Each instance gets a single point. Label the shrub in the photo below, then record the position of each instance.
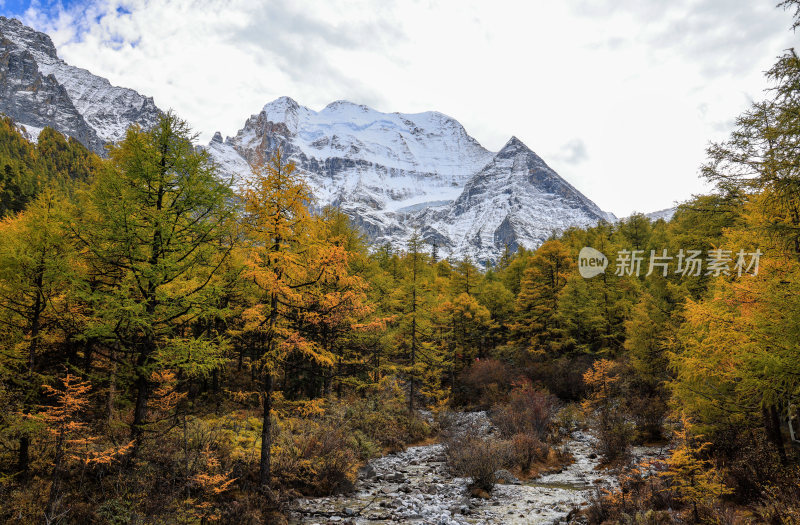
(562, 376)
(485, 382)
(528, 450)
(474, 457)
(648, 412)
(529, 411)
(752, 463)
(384, 418)
(569, 418)
(614, 438)
(115, 512)
(392, 428)
(603, 402)
(642, 498)
(781, 504)
(314, 458)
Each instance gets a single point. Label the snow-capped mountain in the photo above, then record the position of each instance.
(39, 89)
(665, 214)
(388, 161)
(396, 173)
(393, 173)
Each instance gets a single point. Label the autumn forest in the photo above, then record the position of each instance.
(179, 348)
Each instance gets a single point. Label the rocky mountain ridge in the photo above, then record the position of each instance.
(39, 89)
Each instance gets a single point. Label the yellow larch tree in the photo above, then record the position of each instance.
(280, 256)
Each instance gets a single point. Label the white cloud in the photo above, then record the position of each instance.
(620, 97)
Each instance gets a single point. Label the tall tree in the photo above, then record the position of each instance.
(155, 217)
(411, 305)
(282, 262)
(36, 261)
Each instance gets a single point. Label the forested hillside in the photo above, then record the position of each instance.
(175, 350)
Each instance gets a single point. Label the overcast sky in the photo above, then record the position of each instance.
(621, 97)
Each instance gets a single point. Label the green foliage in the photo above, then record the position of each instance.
(26, 169)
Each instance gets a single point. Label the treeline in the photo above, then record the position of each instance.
(25, 168)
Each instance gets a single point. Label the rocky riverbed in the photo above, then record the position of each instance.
(414, 486)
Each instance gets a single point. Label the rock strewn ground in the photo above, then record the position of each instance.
(415, 487)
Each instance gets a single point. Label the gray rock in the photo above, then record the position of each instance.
(504, 476)
(33, 99)
(367, 472)
(396, 477)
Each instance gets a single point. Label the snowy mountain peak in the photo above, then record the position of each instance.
(283, 110)
(513, 147)
(281, 105)
(514, 200)
(394, 173)
(346, 105)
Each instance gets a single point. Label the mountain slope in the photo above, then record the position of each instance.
(33, 70)
(35, 100)
(387, 161)
(665, 214)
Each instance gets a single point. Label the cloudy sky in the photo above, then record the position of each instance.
(621, 97)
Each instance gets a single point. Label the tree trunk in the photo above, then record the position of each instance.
(112, 387)
(36, 316)
(88, 348)
(55, 481)
(149, 340)
(339, 375)
(413, 362)
(413, 333)
(142, 394)
(772, 426)
(327, 376)
(23, 455)
(266, 433)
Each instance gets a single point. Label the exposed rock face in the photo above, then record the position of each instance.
(36, 100)
(395, 174)
(39, 89)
